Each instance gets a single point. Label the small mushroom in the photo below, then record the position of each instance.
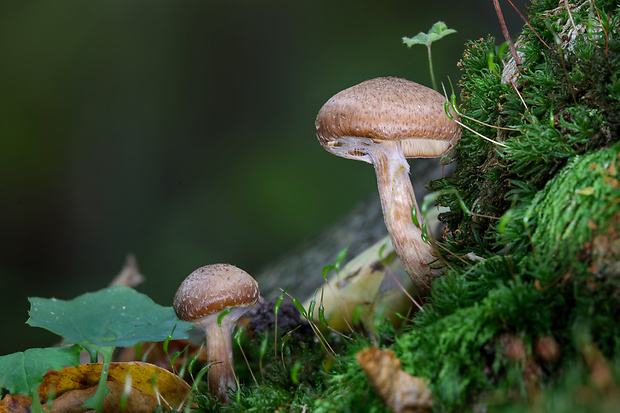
(214, 297)
(382, 121)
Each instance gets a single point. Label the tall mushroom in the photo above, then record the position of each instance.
(214, 297)
(382, 121)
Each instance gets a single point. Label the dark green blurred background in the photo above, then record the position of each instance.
(182, 131)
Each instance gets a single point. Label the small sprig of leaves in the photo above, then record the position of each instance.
(438, 31)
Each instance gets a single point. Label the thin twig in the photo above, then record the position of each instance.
(480, 135)
(519, 94)
(602, 28)
(528, 24)
(500, 16)
(404, 290)
(570, 16)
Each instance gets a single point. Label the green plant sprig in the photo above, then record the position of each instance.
(438, 31)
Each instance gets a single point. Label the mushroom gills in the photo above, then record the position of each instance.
(353, 148)
(360, 148)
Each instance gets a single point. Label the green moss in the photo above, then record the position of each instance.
(577, 201)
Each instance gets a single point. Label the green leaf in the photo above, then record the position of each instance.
(438, 31)
(311, 306)
(341, 256)
(23, 372)
(299, 306)
(113, 317)
(167, 340)
(276, 308)
(193, 361)
(326, 270)
(420, 38)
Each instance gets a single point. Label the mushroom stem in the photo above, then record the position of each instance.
(220, 376)
(398, 201)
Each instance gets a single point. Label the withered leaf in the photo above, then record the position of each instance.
(137, 401)
(400, 391)
(68, 388)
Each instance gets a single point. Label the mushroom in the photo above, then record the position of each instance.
(382, 121)
(214, 297)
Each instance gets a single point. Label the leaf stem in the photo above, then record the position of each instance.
(430, 66)
(96, 401)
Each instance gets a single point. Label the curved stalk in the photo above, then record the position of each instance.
(398, 202)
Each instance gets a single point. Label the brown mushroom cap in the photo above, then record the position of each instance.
(212, 289)
(389, 109)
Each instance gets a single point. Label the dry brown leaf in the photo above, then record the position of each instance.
(400, 391)
(137, 401)
(170, 388)
(17, 403)
(149, 386)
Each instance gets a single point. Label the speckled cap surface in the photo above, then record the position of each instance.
(389, 109)
(214, 288)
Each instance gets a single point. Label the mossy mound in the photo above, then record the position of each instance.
(564, 288)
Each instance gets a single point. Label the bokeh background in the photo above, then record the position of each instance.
(183, 132)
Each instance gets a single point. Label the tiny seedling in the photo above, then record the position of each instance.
(276, 310)
(438, 31)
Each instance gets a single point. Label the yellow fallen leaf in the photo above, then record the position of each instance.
(148, 386)
(17, 403)
(135, 400)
